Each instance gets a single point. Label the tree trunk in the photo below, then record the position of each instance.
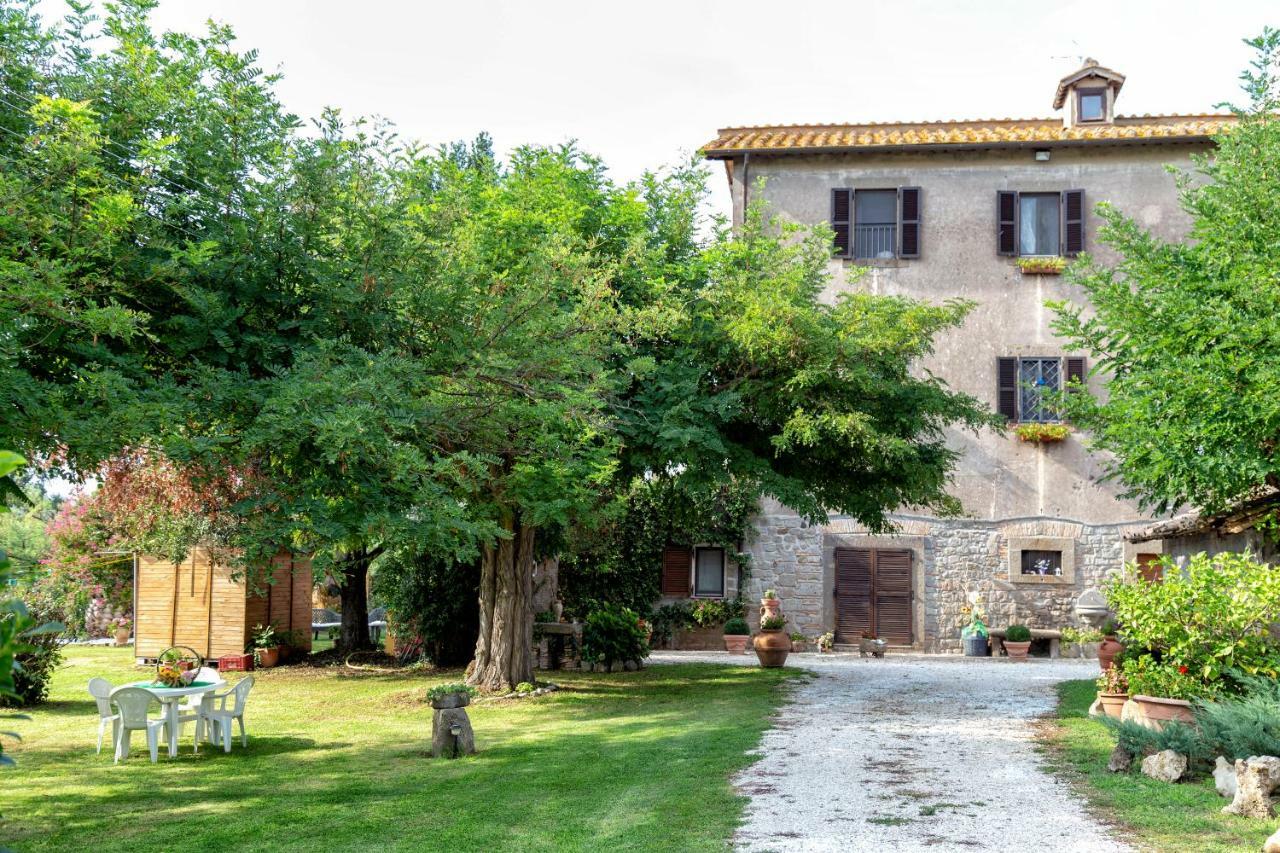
(504, 649)
(353, 589)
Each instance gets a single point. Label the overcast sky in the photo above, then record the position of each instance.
(644, 84)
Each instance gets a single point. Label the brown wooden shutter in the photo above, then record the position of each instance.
(1007, 387)
(1007, 219)
(676, 563)
(852, 593)
(1075, 373)
(893, 596)
(909, 222)
(842, 221)
(1073, 222)
(1150, 569)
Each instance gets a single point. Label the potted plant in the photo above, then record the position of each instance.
(975, 636)
(797, 641)
(770, 604)
(121, 625)
(1160, 690)
(1042, 264)
(1039, 433)
(266, 646)
(1017, 642)
(445, 696)
(1110, 645)
(1113, 691)
(771, 645)
(736, 633)
(826, 642)
(870, 644)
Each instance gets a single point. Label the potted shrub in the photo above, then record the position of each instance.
(1110, 645)
(770, 604)
(266, 647)
(826, 642)
(121, 625)
(445, 696)
(797, 641)
(1113, 691)
(1160, 690)
(975, 637)
(736, 633)
(771, 645)
(1017, 642)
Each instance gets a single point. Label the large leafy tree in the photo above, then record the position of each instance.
(1189, 331)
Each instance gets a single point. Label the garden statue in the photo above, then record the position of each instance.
(451, 732)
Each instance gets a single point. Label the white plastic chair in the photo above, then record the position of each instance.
(219, 718)
(189, 712)
(134, 702)
(100, 690)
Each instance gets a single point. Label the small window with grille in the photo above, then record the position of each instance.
(1043, 563)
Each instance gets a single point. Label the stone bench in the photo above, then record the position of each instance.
(1054, 638)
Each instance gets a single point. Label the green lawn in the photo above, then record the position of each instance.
(1185, 817)
(636, 761)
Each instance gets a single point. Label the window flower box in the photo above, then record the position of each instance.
(1038, 433)
(1042, 265)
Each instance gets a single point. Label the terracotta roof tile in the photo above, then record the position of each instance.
(978, 133)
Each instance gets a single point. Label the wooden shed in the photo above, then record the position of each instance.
(197, 603)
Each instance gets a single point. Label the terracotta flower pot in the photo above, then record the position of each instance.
(772, 647)
(1160, 710)
(797, 646)
(736, 644)
(770, 607)
(1113, 703)
(268, 658)
(1017, 651)
(122, 636)
(1107, 651)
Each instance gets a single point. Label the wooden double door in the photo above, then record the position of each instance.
(874, 594)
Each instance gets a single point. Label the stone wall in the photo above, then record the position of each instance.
(953, 558)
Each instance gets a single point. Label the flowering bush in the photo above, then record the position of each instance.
(1113, 681)
(1148, 677)
(1038, 433)
(1203, 627)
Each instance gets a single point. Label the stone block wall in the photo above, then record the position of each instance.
(956, 557)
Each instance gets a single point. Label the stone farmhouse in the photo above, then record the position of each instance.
(936, 210)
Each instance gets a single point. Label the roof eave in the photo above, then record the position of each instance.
(728, 153)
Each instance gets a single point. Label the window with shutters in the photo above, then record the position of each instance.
(1040, 224)
(708, 573)
(1025, 384)
(876, 224)
(677, 563)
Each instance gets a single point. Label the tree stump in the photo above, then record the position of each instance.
(443, 742)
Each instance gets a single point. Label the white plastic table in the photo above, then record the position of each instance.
(170, 698)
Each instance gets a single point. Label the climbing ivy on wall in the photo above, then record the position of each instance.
(621, 562)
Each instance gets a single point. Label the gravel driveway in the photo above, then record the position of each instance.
(908, 753)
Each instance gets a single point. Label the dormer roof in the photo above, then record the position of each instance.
(1090, 69)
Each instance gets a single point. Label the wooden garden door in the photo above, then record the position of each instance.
(873, 594)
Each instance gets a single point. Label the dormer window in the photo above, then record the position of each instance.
(1088, 94)
(1092, 105)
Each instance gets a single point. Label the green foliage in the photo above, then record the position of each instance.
(715, 611)
(1113, 679)
(1081, 635)
(736, 627)
(440, 691)
(524, 687)
(1139, 740)
(265, 636)
(34, 667)
(1148, 677)
(1038, 433)
(668, 619)
(1190, 331)
(1017, 633)
(770, 594)
(432, 602)
(613, 634)
(773, 623)
(621, 562)
(1211, 617)
(797, 637)
(1242, 726)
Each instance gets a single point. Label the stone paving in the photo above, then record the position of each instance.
(912, 753)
